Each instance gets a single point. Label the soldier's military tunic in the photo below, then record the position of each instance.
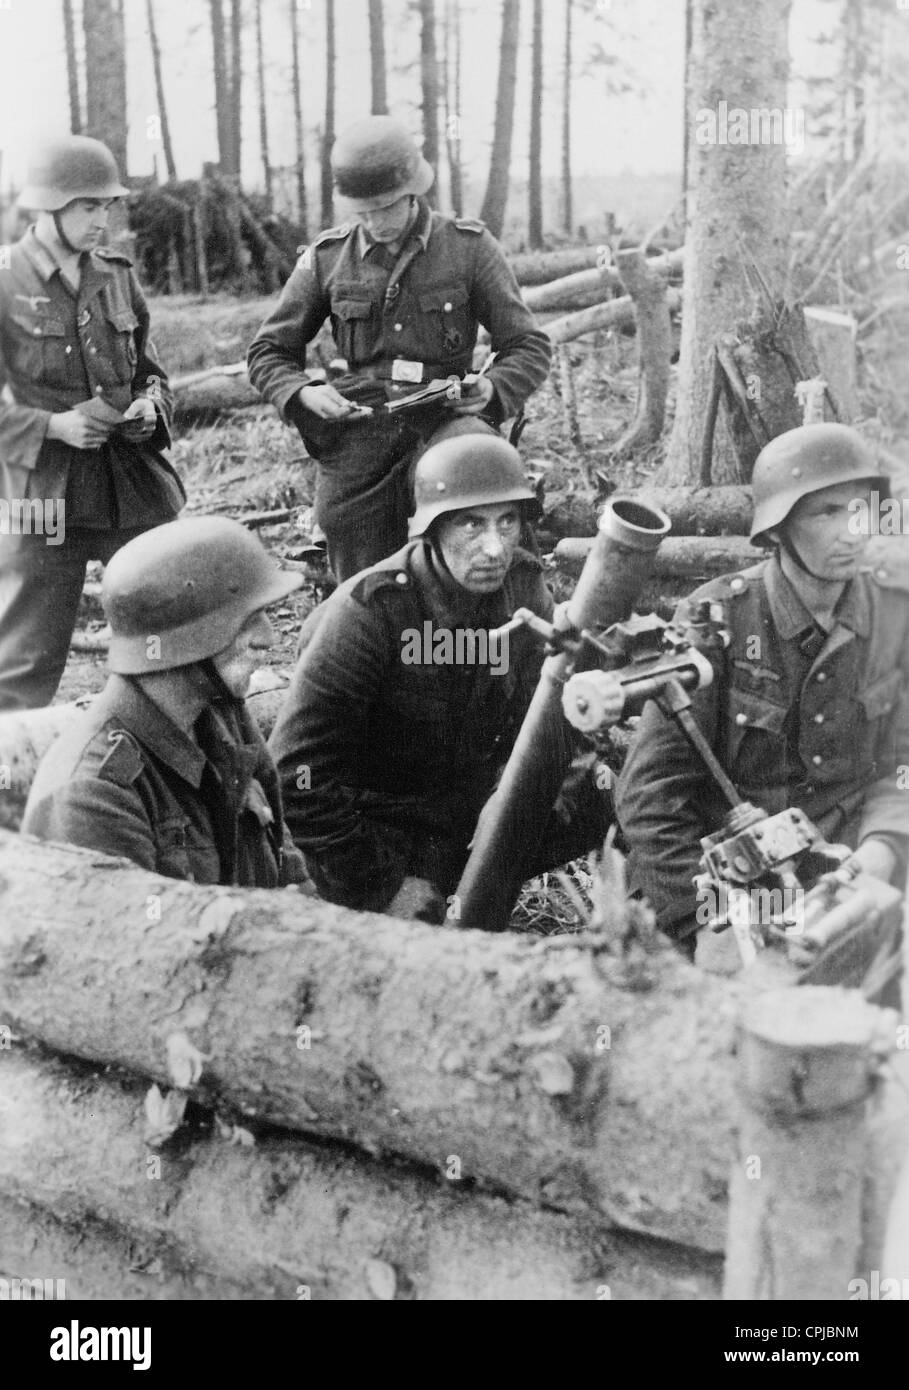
(126, 780)
(421, 308)
(59, 348)
(796, 717)
(385, 764)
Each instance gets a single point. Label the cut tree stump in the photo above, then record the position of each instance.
(283, 1219)
(530, 1060)
(807, 1063)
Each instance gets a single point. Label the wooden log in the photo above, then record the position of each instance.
(285, 1219)
(693, 511)
(539, 267)
(599, 283)
(615, 314)
(526, 1059)
(795, 1220)
(26, 735)
(682, 557)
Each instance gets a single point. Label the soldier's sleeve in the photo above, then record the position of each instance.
(23, 428)
(150, 378)
(95, 813)
(662, 801)
(886, 809)
(523, 351)
(277, 354)
(316, 743)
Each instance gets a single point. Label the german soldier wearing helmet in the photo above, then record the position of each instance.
(167, 768)
(85, 412)
(403, 707)
(809, 706)
(406, 289)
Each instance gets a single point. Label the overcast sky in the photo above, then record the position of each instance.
(639, 131)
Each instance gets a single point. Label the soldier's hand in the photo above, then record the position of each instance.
(476, 393)
(328, 403)
(416, 898)
(143, 419)
(77, 430)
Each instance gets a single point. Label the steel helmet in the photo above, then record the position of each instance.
(801, 461)
(376, 161)
(73, 166)
(181, 592)
(470, 468)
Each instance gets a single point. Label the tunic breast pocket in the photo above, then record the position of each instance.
(353, 325)
(183, 852)
(38, 349)
(875, 739)
(754, 732)
(445, 318)
(121, 351)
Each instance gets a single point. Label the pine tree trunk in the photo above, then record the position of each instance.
(535, 183)
(236, 85)
(429, 83)
(453, 105)
(72, 68)
(328, 134)
(302, 217)
(567, 200)
(222, 88)
(377, 58)
(737, 214)
(105, 76)
(159, 91)
(496, 199)
(263, 114)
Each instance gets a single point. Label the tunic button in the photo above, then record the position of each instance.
(741, 719)
(401, 578)
(818, 719)
(737, 584)
(398, 327)
(817, 759)
(68, 348)
(37, 332)
(99, 390)
(93, 351)
(821, 677)
(447, 307)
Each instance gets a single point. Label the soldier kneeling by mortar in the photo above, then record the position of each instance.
(403, 709)
(167, 768)
(809, 705)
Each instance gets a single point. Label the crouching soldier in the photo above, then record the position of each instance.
(167, 768)
(809, 706)
(84, 413)
(403, 709)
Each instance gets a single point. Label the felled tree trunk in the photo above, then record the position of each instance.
(693, 511)
(680, 557)
(617, 313)
(284, 1219)
(592, 286)
(525, 1060)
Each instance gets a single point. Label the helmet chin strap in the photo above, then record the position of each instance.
(64, 239)
(785, 543)
(219, 688)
